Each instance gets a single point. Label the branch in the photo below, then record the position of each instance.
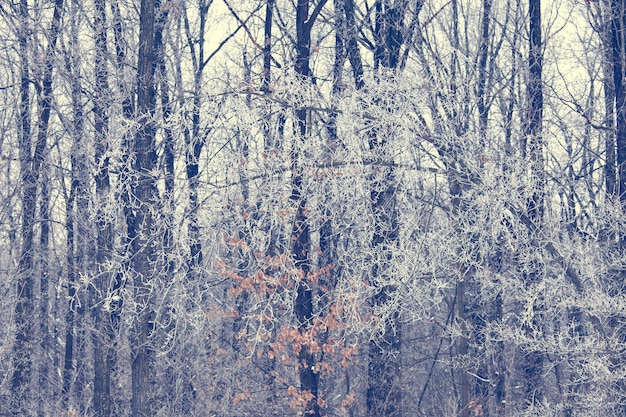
(339, 164)
(570, 272)
(314, 14)
(221, 45)
(243, 24)
(229, 37)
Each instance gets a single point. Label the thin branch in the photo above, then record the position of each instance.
(229, 37)
(243, 24)
(339, 164)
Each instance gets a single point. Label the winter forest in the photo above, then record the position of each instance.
(250, 208)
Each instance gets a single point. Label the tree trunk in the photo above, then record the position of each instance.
(352, 46)
(195, 141)
(24, 308)
(103, 337)
(610, 173)
(618, 8)
(141, 222)
(483, 54)
(618, 44)
(80, 248)
(532, 136)
(532, 361)
(300, 236)
(267, 47)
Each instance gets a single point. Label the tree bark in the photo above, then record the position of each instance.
(80, 247)
(267, 47)
(618, 45)
(141, 222)
(300, 236)
(610, 172)
(483, 54)
(104, 294)
(618, 9)
(195, 140)
(532, 362)
(354, 55)
(533, 142)
(24, 307)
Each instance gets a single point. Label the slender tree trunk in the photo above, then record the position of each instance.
(354, 55)
(619, 67)
(267, 47)
(499, 369)
(271, 142)
(300, 237)
(610, 174)
(618, 48)
(532, 362)
(44, 367)
(69, 357)
(462, 344)
(141, 222)
(483, 54)
(79, 243)
(24, 309)
(103, 337)
(532, 129)
(328, 238)
(195, 141)
(168, 148)
(78, 252)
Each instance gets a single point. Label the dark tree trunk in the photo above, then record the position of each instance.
(195, 141)
(270, 142)
(384, 386)
(610, 172)
(45, 366)
(24, 308)
(168, 148)
(618, 45)
(618, 9)
(267, 47)
(80, 248)
(498, 371)
(483, 54)
(352, 46)
(300, 237)
(533, 146)
(141, 222)
(532, 361)
(103, 337)
(69, 357)
(193, 163)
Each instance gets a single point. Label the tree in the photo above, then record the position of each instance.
(24, 309)
(141, 224)
(532, 148)
(105, 286)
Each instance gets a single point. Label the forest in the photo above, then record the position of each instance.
(246, 208)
